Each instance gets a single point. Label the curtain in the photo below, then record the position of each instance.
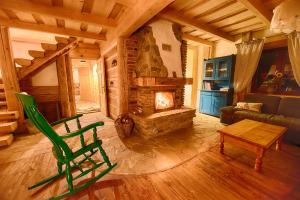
(294, 52)
(248, 55)
(286, 17)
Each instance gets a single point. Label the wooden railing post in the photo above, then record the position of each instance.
(9, 75)
(63, 86)
(70, 81)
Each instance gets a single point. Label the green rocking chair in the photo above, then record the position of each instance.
(64, 155)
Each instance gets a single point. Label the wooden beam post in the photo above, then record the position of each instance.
(122, 76)
(186, 36)
(63, 86)
(70, 81)
(195, 76)
(9, 74)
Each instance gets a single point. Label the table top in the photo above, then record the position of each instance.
(254, 132)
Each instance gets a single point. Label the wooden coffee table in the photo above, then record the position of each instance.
(254, 136)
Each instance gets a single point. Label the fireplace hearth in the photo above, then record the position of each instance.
(161, 102)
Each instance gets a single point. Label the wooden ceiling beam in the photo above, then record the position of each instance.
(57, 12)
(216, 8)
(134, 18)
(196, 39)
(187, 21)
(259, 9)
(141, 13)
(51, 29)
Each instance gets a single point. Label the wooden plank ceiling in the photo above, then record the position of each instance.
(203, 20)
(212, 20)
(81, 18)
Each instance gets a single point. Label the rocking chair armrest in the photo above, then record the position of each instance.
(66, 119)
(83, 130)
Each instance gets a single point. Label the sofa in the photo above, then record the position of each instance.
(283, 111)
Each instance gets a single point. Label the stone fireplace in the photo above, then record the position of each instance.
(161, 102)
(157, 79)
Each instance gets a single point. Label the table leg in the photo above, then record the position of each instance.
(278, 144)
(259, 156)
(221, 143)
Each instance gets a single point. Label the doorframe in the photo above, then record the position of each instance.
(101, 70)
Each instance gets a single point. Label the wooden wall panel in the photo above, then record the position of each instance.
(47, 98)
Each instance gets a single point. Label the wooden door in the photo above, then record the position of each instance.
(102, 81)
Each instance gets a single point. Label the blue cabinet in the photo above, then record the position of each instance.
(211, 102)
(217, 90)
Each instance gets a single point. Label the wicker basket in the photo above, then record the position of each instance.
(124, 125)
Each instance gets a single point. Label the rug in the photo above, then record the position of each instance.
(133, 155)
(137, 156)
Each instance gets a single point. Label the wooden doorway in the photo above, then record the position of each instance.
(87, 85)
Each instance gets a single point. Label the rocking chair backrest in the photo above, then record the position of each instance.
(30, 107)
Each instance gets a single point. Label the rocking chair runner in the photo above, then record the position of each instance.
(62, 152)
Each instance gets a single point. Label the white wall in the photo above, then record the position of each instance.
(163, 33)
(224, 48)
(46, 77)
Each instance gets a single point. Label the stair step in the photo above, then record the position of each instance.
(6, 140)
(8, 127)
(62, 40)
(2, 86)
(3, 103)
(51, 47)
(2, 95)
(36, 54)
(9, 115)
(23, 62)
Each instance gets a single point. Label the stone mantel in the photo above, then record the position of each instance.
(161, 81)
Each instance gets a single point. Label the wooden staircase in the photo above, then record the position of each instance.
(42, 58)
(8, 120)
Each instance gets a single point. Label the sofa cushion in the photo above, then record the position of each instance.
(270, 103)
(290, 122)
(245, 114)
(289, 107)
(256, 107)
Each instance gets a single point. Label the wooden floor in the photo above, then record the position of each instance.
(209, 175)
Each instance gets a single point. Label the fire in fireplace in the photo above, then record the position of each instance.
(164, 100)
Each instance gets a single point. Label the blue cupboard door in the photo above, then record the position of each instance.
(219, 101)
(222, 71)
(209, 70)
(205, 101)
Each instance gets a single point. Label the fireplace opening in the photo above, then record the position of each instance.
(164, 101)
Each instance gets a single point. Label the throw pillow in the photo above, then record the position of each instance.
(256, 107)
